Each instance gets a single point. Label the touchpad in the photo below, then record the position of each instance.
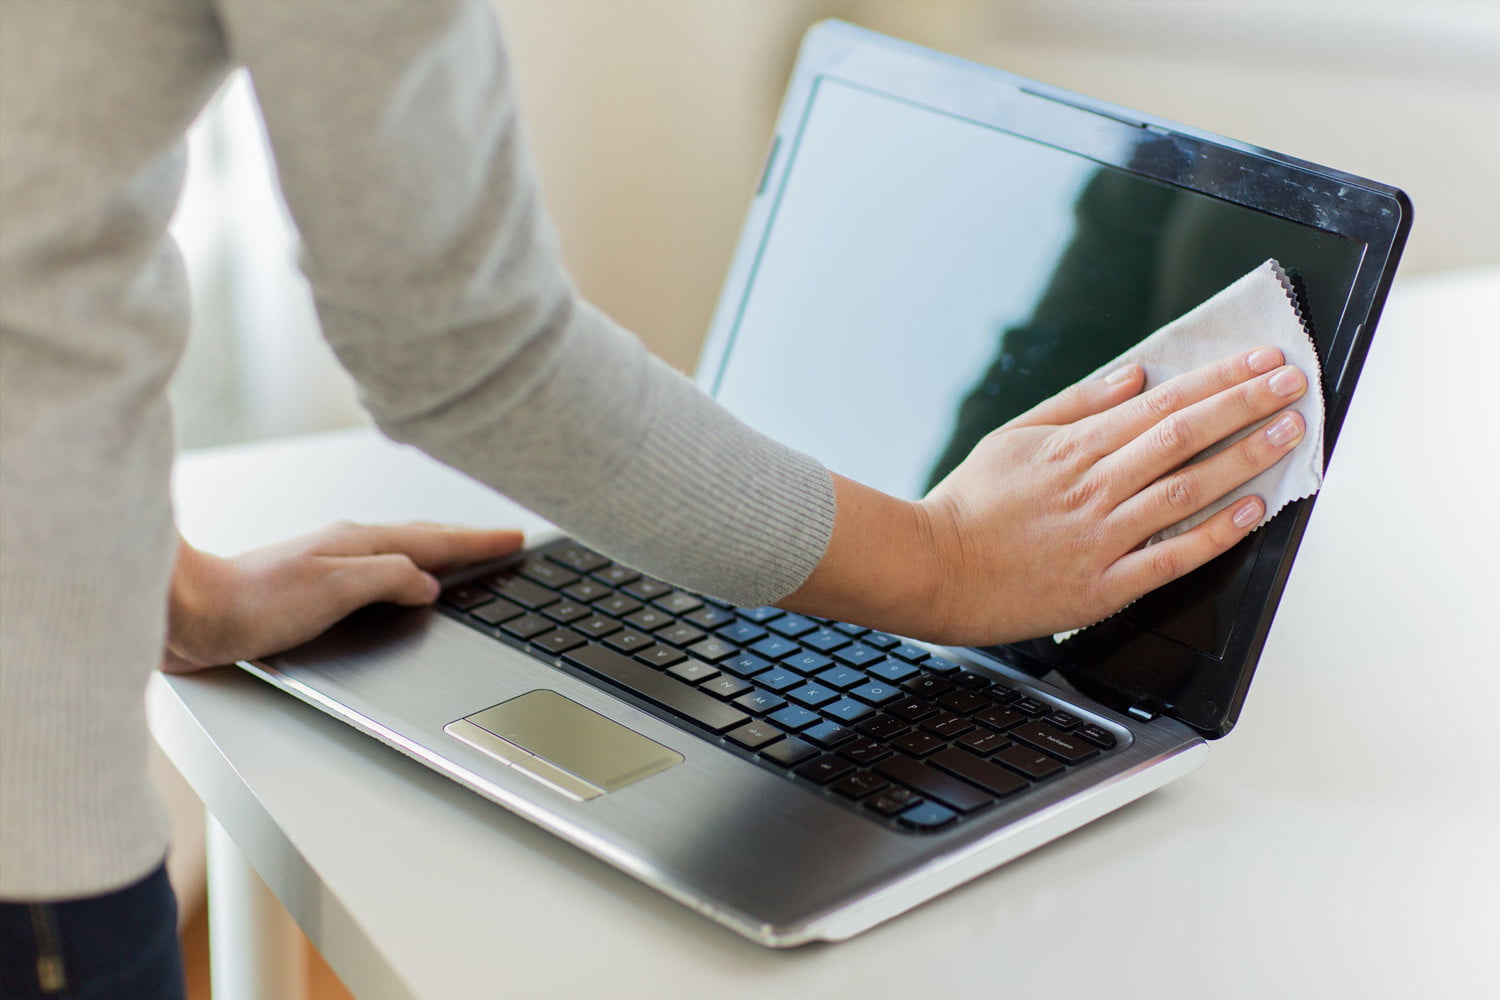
(559, 742)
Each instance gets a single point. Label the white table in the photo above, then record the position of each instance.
(1343, 841)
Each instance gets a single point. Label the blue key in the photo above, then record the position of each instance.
(807, 663)
(893, 670)
(743, 633)
(940, 664)
(760, 615)
(881, 640)
(907, 651)
(744, 665)
(813, 695)
(877, 692)
(794, 718)
(842, 677)
(847, 710)
(775, 647)
(928, 816)
(825, 639)
(858, 655)
(779, 679)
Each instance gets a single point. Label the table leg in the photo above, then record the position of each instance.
(255, 948)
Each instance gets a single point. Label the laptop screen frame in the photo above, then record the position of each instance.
(1376, 215)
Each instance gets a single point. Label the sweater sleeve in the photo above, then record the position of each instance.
(440, 286)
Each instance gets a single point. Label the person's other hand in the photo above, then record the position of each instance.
(271, 599)
(1043, 527)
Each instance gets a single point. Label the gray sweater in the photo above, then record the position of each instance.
(438, 283)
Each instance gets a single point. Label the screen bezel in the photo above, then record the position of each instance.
(1376, 215)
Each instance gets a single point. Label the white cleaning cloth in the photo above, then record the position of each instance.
(1259, 309)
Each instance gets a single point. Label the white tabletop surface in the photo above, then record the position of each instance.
(1343, 841)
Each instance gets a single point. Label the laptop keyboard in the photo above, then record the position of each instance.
(902, 735)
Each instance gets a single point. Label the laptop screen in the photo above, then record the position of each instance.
(925, 277)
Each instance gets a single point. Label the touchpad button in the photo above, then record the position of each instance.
(558, 741)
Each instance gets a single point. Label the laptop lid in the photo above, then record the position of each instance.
(936, 246)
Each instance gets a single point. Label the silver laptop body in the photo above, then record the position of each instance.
(906, 264)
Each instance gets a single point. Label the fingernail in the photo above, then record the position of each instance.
(1283, 431)
(1264, 359)
(1120, 374)
(1247, 513)
(1287, 382)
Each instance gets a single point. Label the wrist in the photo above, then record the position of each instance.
(198, 607)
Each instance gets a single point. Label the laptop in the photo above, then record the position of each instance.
(934, 247)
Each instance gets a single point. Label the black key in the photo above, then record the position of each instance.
(893, 800)
(464, 596)
(1097, 735)
(825, 640)
(969, 681)
(812, 695)
(918, 744)
(587, 591)
(678, 603)
(754, 734)
(597, 626)
(828, 734)
(616, 575)
(858, 655)
(909, 652)
(947, 725)
(523, 592)
(709, 617)
(577, 557)
(1056, 742)
(527, 626)
(619, 605)
(628, 641)
(934, 783)
(661, 656)
(963, 702)
(761, 615)
(822, 770)
(692, 671)
(1032, 763)
(650, 619)
(680, 635)
(883, 727)
(792, 626)
(745, 665)
(726, 687)
(925, 686)
(999, 718)
(742, 633)
(859, 784)
(865, 751)
(567, 611)
(497, 611)
(712, 650)
(982, 741)
(760, 702)
(1031, 706)
(558, 640)
(646, 589)
(991, 777)
(788, 752)
(667, 692)
(1061, 719)
(1001, 694)
(548, 574)
(911, 709)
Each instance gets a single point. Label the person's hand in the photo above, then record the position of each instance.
(1043, 527)
(273, 598)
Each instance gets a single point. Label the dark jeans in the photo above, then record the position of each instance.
(119, 946)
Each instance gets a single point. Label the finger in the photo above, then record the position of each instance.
(1109, 432)
(1177, 437)
(1143, 570)
(1187, 491)
(1084, 399)
(430, 546)
(357, 581)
